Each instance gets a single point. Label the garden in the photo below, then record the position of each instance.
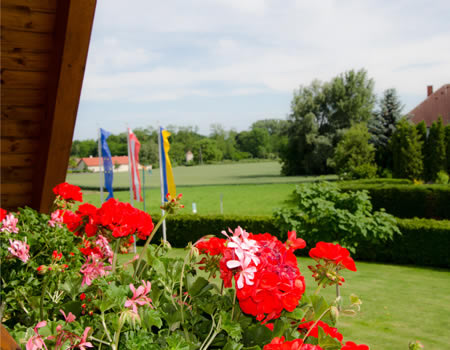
(75, 284)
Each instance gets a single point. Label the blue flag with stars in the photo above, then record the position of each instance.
(107, 163)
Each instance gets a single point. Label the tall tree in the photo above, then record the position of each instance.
(422, 131)
(407, 151)
(382, 126)
(354, 156)
(435, 150)
(331, 107)
(447, 146)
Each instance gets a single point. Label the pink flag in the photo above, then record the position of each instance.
(133, 152)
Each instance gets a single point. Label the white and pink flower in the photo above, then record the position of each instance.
(9, 224)
(92, 269)
(20, 250)
(36, 342)
(56, 218)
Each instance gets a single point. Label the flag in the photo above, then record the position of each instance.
(166, 166)
(107, 163)
(133, 153)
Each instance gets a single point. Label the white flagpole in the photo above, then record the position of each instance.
(131, 184)
(101, 170)
(162, 182)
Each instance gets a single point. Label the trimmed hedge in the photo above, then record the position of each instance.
(423, 242)
(407, 201)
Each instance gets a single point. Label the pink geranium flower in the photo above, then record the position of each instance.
(92, 269)
(139, 296)
(36, 342)
(69, 318)
(103, 244)
(83, 344)
(19, 249)
(57, 218)
(9, 224)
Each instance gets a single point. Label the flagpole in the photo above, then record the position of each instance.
(100, 167)
(143, 185)
(131, 185)
(162, 183)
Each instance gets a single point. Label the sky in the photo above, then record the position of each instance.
(233, 62)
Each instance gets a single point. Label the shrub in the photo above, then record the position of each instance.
(442, 178)
(324, 210)
(406, 200)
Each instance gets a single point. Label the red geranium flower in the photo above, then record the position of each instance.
(334, 253)
(352, 346)
(296, 344)
(293, 242)
(213, 246)
(68, 192)
(331, 331)
(3, 213)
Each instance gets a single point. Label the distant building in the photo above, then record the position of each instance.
(436, 104)
(189, 156)
(120, 164)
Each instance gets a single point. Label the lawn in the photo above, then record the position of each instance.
(400, 304)
(237, 199)
(215, 174)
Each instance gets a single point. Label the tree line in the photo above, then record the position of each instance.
(337, 126)
(264, 140)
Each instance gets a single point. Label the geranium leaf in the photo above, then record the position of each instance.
(233, 328)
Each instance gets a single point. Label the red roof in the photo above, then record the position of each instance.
(435, 105)
(94, 161)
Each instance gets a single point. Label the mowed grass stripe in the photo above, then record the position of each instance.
(215, 174)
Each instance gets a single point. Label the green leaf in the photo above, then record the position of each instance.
(151, 318)
(256, 334)
(159, 267)
(280, 326)
(297, 314)
(176, 342)
(233, 328)
(232, 345)
(199, 287)
(327, 342)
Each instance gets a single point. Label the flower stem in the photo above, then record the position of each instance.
(116, 252)
(41, 304)
(142, 254)
(234, 303)
(315, 323)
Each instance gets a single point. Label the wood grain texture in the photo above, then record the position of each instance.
(13, 201)
(41, 5)
(18, 145)
(13, 39)
(18, 160)
(72, 35)
(15, 188)
(23, 97)
(26, 19)
(16, 174)
(20, 129)
(32, 114)
(25, 60)
(23, 79)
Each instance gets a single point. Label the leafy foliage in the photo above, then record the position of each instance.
(354, 156)
(435, 157)
(324, 212)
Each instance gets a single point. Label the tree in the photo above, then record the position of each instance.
(354, 156)
(382, 126)
(226, 141)
(318, 114)
(447, 147)
(255, 142)
(406, 151)
(277, 130)
(422, 131)
(206, 151)
(435, 151)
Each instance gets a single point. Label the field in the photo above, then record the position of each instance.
(246, 188)
(400, 304)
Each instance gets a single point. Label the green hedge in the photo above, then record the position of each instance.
(407, 201)
(423, 242)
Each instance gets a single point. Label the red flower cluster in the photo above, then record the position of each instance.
(213, 246)
(331, 331)
(296, 344)
(352, 346)
(68, 192)
(276, 285)
(3, 214)
(333, 253)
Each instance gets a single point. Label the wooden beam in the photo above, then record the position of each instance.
(74, 19)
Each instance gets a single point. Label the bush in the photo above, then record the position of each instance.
(406, 200)
(324, 210)
(423, 242)
(442, 178)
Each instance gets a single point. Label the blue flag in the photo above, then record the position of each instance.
(107, 163)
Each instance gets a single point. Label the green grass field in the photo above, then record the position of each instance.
(400, 304)
(215, 174)
(246, 188)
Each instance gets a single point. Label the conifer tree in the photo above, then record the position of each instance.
(407, 151)
(447, 147)
(422, 130)
(435, 151)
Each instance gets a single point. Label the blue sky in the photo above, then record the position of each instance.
(232, 62)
